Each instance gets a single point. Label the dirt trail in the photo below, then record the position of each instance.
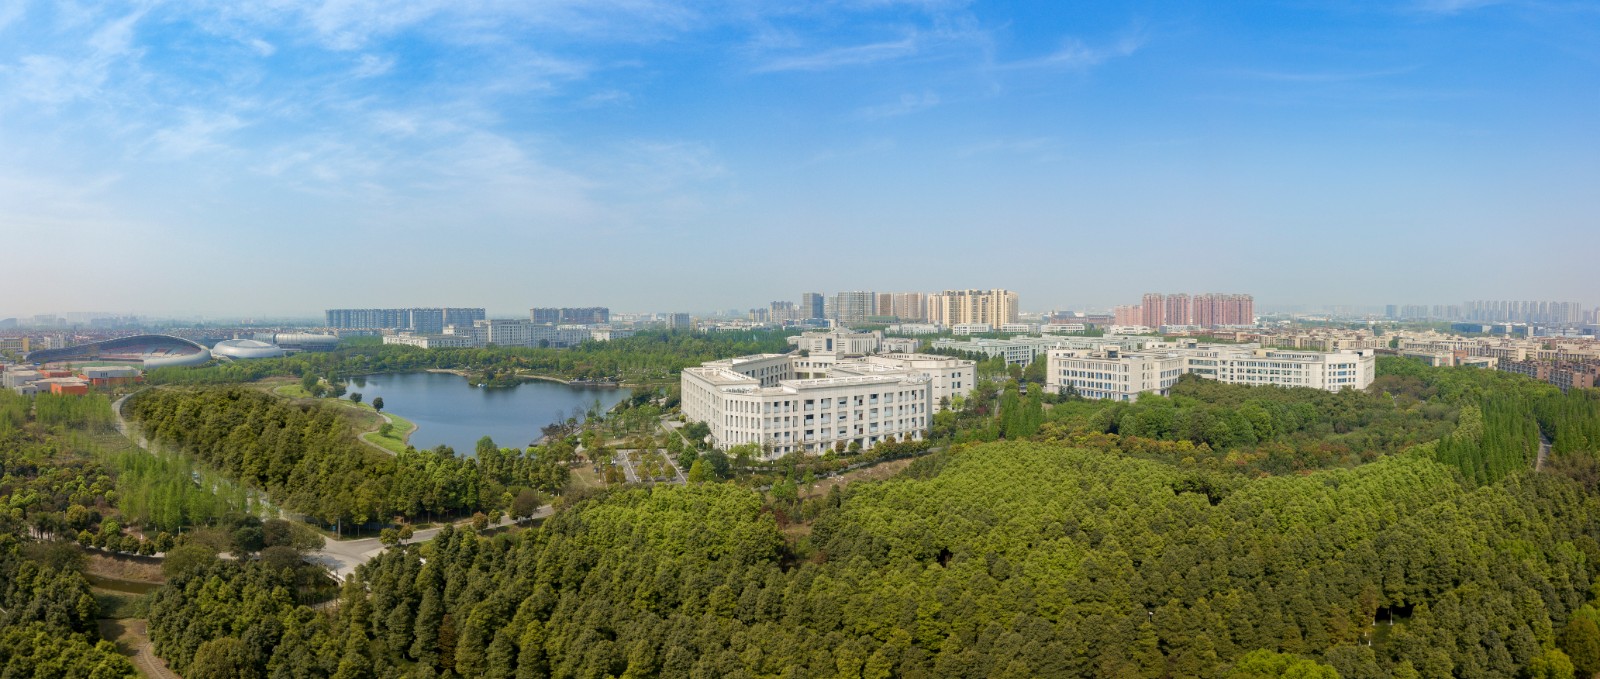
(133, 639)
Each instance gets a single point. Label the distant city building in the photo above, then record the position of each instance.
(1524, 312)
(854, 307)
(680, 321)
(595, 315)
(1207, 310)
(813, 305)
(993, 307)
(416, 320)
(783, 313)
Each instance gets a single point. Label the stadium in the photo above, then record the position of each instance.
(242, 349)
(152, 351)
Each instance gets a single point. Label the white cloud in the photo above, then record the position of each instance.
(1453, 6)
(837, 57)
(1075, 54)
(906, 105)
(372, 66)
(200, 132)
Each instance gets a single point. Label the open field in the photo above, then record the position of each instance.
(877, 472)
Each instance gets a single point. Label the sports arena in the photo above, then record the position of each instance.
(152, 351)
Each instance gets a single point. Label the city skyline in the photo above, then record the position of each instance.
(181, 159)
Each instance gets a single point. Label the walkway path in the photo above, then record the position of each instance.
(1544, 452)
(341, 557)
(133, 640)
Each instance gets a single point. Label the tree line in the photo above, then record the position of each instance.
(1010, 559)
(307, 459)
(650, 356)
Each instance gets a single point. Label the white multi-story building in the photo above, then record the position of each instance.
(1023, 350)
(1113, 373)
(898, 345)
(970, 328)
(1020, 328)
(951, 377)
(915, 329)
(606, 334)
(1061, 328)
(430, 341)
(840, 342)
(760, 399)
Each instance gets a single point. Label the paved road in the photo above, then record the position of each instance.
(1544, 452)
(341, 557)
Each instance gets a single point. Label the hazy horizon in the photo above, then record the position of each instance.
(180, 159)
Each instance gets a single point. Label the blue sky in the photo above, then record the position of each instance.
(281, 157)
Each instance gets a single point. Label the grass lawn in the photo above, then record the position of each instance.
(395, 442)
(291, 391)
(583, 476)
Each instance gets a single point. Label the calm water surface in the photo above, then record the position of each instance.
(451, 411)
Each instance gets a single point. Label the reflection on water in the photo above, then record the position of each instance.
(450, 411)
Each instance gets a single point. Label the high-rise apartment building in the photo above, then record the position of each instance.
(953, 307)
(1214, 309)
(1153, 310)
(812, 305)
(1523, 311)
(420, 320)
(783, 312)
(855, 306)
(905, 306)
(1127, 315)
(1178, 310)
(594, 315)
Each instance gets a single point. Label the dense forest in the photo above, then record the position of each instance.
(305, 457)
(654, 356)
(1223, 531)
(47, 616)
(1002, 559)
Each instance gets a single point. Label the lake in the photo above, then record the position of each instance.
(449, 410)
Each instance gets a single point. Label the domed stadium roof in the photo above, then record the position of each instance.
(153, 351)
(240, 349)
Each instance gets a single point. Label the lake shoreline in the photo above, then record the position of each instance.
(447, 407)
(524, 377)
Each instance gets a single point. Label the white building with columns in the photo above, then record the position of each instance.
(761, 399)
